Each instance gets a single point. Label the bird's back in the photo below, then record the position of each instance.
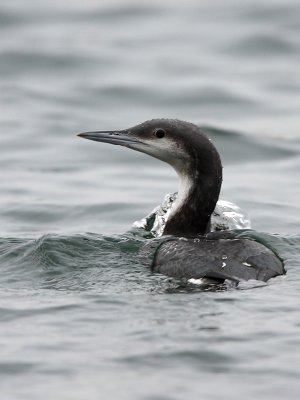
(235, 259)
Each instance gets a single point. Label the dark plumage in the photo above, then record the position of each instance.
(234, 259)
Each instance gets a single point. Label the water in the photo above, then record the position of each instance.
(80, 316)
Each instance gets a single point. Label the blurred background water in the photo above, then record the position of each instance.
(80, 317)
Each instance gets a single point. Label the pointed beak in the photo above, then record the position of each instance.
(121, 138)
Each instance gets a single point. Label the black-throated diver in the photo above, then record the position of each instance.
(190, 250)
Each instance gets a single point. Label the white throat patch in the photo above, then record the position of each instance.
(185, 185)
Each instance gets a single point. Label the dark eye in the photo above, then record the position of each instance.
(159, 133)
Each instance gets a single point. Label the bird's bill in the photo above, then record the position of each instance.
(121, 138)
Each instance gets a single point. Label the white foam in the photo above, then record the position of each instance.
(226, 215)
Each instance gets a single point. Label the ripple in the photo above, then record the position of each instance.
(16, 368)
(246, 148)
(262, 45)
(214, 361)
(14, 62)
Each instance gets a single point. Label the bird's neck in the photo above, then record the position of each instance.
(197, 197)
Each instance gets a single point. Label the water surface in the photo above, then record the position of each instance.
(81, 317)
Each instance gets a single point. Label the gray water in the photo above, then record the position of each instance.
(81, 318)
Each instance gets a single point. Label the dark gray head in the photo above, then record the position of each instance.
(195, 159)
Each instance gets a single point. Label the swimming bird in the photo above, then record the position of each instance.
(188, 249)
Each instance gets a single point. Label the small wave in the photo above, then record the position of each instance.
(92, 261)
(261, 45)
(77, 262)
(246, 148)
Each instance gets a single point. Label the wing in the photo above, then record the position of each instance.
(234, 259)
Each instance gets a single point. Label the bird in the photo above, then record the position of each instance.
(187, 248)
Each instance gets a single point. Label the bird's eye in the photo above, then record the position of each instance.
(159, 133)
